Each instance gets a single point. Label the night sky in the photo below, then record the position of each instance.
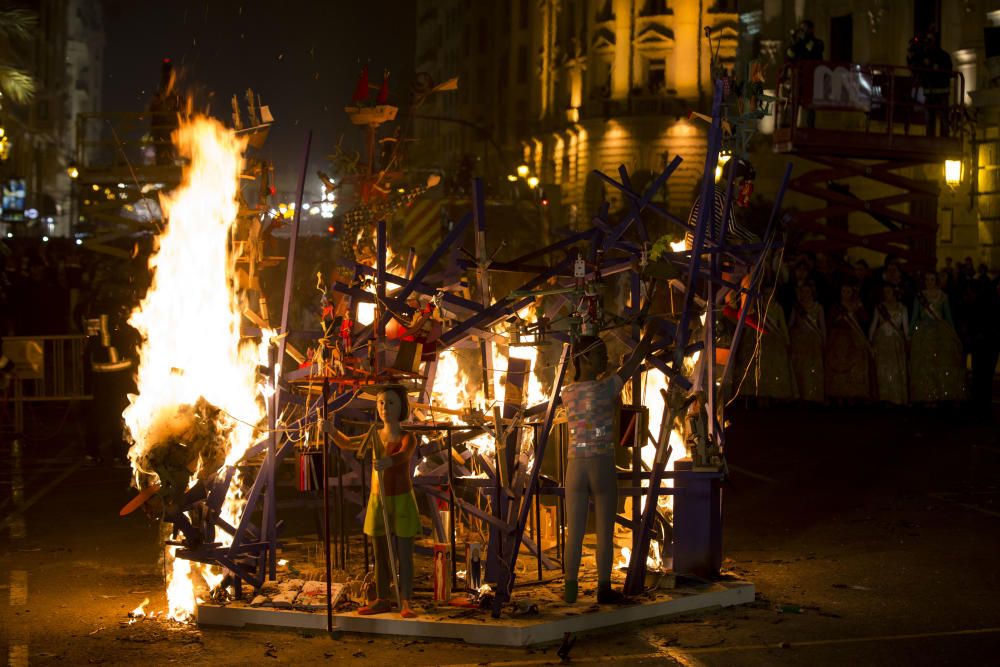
(301, 58)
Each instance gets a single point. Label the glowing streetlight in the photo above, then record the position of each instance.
(523, 171)
(72, 171)
(953, 173)
(533, 182)
(511, 177)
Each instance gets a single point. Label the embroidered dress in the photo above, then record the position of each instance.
(847, 367)
(889, 333)
(937, 371)
(808, 335)
(770, 374)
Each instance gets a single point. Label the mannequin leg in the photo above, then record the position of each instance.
(577, 502)
(404, 551)
(604, 481)
(382, 573)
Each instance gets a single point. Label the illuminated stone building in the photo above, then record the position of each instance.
(878, 32)
(64, 56)
(600, 83)
(569, 86)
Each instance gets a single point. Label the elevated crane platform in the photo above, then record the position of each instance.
(869, 121)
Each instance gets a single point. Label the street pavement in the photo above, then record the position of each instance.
(872, 537)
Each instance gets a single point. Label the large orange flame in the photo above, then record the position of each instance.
(190, 325)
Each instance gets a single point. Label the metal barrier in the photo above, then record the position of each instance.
(46, 369)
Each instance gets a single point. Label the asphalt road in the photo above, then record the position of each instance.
(872, 536)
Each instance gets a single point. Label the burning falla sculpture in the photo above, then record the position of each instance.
(200, 400)
(185, 449)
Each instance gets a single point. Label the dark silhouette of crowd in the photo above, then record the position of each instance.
(839, 332)
(56, 288)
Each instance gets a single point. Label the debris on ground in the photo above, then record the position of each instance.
(567, 645)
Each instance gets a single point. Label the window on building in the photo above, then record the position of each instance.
(605, 12)
(842, 38)
(484, 34)
(927, 17)
(656, 81)
(522, 64)
(602, 82)
(570, 21)
(654, 8)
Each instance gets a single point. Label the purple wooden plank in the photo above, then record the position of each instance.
(705, 216)
(512, 544)
(454, 235)
(292, 244)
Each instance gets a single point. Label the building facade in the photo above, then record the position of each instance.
(65, 60)
(612, 82)
(458, 130)
(878, 32)
(569, 86)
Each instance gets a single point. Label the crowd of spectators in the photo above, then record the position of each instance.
(841, 332)
(52, 288)
(55, 288)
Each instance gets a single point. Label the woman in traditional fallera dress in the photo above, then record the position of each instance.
(808, 338)
(889, 334)
(847, 367)
(776, 378)
(769, 373)
(937, 371)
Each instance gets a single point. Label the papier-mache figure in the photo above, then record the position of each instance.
(392, 489)
(591, 403)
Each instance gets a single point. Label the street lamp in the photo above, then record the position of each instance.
(953, 173)
(533, 182)
(523, 171)
(72, 171)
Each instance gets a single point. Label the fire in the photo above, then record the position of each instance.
(652, 381)
(192, 351)
(457, 388)
(653, 561)
(140, 611)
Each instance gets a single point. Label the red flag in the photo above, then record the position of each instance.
(361, 90)
(383, 92)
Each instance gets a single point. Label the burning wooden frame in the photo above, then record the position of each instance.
(690, 402)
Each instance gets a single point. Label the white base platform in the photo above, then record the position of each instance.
(548, 626)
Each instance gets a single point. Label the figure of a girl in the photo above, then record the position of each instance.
(889, 334)
(391, 485)
(847, 365)
(937, 372)
(808, 339)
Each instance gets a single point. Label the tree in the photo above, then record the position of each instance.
(16, 25)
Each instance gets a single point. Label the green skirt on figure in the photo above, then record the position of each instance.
(404, 517)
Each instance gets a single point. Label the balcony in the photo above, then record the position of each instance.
(869, 111)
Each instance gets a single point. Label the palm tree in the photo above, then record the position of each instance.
(16, 25)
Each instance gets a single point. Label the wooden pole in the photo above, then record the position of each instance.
(326, 510)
